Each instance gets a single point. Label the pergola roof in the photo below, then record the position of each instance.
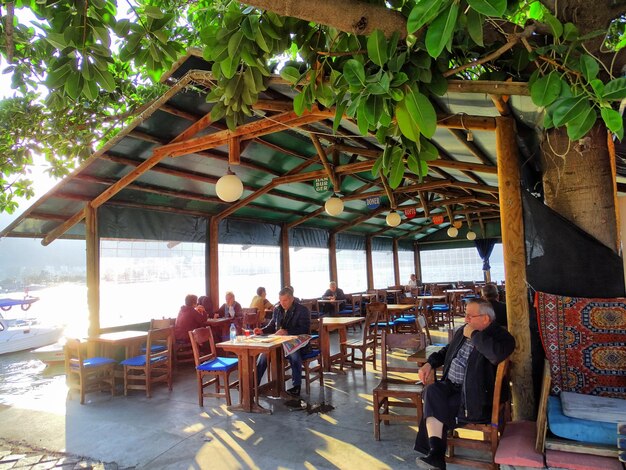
(170, 157)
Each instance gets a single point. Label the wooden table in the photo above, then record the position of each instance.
(336, 303)
(219, 328)
(247, 352)
(129, 339)
(396, 293)
(399, 308)
(328, 324)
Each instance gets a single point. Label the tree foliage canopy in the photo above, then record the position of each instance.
(81, 69)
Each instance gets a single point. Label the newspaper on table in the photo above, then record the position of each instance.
(295, 343)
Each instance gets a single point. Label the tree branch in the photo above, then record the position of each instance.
(351, 16)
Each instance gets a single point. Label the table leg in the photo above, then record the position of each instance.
(325, 347)
(247, 399)
(277, 370)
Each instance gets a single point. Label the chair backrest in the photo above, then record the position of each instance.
(74, 354)
(409, 342)
(422, 327)
(250, 317)
(198, 338)
(370, 330)
(498, 407)
(380, 308)
(408, 301)
(310, 304)
(162, 337)
(356, 302)
(162, 323)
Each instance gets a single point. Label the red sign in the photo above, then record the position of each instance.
(410, 212)
(437, 219)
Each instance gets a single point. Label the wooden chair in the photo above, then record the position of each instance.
(491, 431)
(250, 318)
(210, 366)
(141, 372)
(397, 391)
(367, 341)
(87, 374)
(383, 322)
(157, 323)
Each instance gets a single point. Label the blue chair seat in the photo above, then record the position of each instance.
(440, 308)
(314, 337)
(139, 361)
(311, 354)
(155, 348)
(219, 364)
(404, 320)
(94, 362)
(383, 324)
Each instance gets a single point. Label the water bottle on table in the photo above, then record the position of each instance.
(233, 333)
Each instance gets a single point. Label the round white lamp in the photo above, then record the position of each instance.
(393, 219)
(334, 206)
(453, 232)
(471, 235)
(229, 187)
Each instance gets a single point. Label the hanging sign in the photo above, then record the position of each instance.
(437, 219)
(321, 185)
(410, 213)
(372, 202)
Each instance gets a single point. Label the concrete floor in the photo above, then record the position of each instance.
(170, 430)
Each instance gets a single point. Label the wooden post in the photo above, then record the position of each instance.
(207, 263)
(514, 266)
(417, 261)
(285, 272)
(93, 269)
(396, 261)
(214, 281)
(368, 262)
(332, 257)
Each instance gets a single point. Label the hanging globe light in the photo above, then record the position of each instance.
(334, 206)
(457, 224)
(229, 187)
(393, 219)
(471, 235)
(453, 232)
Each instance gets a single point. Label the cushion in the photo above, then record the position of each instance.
(218, 364)
(591, 407)
(141, 360)
(155, 348)
(575, 461)
(517, 445)
(97, 361)
(577, 429)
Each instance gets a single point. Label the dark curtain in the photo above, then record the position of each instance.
(485, 247)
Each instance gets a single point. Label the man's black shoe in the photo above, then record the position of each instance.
(294, 391)
(431, 462)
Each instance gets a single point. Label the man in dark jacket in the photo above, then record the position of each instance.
(490, 293)
(464, 394)
(289, 318)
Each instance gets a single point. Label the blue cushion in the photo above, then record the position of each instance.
(313, 353)
(314, 337)
(96, 362)
(577, 429)
(404, 320)
(155, 348)
(218, 364)
(141, 360)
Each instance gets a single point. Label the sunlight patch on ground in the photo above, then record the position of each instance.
(345, 455)
(242, 430)
(237, 450)
(328, 418)
(194, 428)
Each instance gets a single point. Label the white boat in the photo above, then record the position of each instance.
(22, 335)
(51, 354)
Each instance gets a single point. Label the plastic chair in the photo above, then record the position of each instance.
(210, 366)
(141, 372)
(87, 374)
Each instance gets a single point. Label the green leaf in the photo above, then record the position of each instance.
(397, 167)
(324, 95)
(56, 40)
(234, 43)
(361, 119)
(615, 89)
(377, 48)
(299, 104)
(475, 22)
(570, 32)
(438, 85)
(354, 73)
(290, 74)
(554, 23)
(422, 110)
(339, 110)
(229, 66)
(104, 79)
(412, 163)
(546, 89)
(376, 167)
(440, 31)
(153, 12)
(424, 12)
(597, 86)
(589, 67)
(428, 152)
(488, 7)
(581, 124)
(406, 122)
(260, 40)
(373, 109)
(612, 119)
(569, 109)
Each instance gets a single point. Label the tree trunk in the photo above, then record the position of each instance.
(579, 182)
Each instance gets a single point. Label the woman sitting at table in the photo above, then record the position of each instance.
(231, 308)
(189, 318)
(333, 293)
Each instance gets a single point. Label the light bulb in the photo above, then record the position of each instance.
(393, 219)
(453, 232)
(229, 187)
(334, 206)
(471, 235)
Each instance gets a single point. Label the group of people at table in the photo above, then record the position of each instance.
(469, 361)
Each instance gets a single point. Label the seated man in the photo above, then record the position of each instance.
(490, 293)
(333, 293)
(469, 370)
(189, 318)
(290, 318)
(260, 302)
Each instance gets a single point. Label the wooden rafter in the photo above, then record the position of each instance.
(321, 153)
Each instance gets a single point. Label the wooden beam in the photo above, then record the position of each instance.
(321, 153)
(197, 126)
(456, 165)
(213, 274)
(332, 256)
(369, 266)
(488, 87)
(312, 215)
(285, 271)
(396, 261)
(64, 227)
(234, 150)
(93, 270)
(274, 105)
(515, 266)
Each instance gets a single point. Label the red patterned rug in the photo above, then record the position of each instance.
(585, 343)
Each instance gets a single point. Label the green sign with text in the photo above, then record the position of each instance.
(321, 184)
